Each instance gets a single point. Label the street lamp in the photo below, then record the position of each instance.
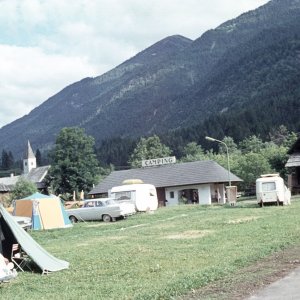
(228, 164)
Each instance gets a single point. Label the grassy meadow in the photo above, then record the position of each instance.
(160, 255)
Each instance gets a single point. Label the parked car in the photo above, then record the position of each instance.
(105, 209)
(24, 222)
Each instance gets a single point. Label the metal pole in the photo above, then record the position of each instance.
(228, 164)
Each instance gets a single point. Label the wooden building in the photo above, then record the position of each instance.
(293, 165)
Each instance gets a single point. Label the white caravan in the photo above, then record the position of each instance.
(271, 188)
(142, 195)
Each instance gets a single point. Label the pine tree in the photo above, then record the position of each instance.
(38, 157)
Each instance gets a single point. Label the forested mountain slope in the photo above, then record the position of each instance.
(238, 79)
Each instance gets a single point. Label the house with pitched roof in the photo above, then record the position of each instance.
(199, 182)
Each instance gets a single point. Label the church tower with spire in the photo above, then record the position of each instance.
(29, 161)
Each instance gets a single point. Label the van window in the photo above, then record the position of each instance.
(268, 186)
(122, 196)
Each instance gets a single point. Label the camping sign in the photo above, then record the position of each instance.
(159, 161)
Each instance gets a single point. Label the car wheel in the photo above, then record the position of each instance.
(73, 219)
(106, 218)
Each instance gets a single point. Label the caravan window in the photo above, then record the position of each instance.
(122, 196)
(268, 186)
(152, 192)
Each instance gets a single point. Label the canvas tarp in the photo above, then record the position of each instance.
(46, 212)
(44, 260)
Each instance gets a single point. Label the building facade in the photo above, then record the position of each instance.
(200, 182)
(293, 166)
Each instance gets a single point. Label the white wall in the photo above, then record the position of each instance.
(220, 189)
(204, 193)
(172, 201)
(28, 165)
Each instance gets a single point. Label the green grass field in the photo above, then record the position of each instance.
(160, 255)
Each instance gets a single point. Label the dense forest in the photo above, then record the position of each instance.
(239, 79)
(249, 158)
(9, 165)
(238, 82)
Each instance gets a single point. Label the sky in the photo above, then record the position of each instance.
(46, 45)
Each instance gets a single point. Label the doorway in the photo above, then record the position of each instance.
(188, 196)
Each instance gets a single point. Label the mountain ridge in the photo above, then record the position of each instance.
(174, 83)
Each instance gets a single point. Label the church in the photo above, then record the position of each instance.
(30, 172)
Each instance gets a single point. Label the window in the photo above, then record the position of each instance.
(268, 186)
(152, 192)
(89, 204)
(122, 196)
(171, 194)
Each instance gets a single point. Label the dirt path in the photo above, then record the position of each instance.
(251, 279)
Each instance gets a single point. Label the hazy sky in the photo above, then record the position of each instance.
(46, 45)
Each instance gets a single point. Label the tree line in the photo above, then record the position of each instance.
(76, 167)
(248, 159)
(8, 164)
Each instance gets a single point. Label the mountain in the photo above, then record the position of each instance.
(109, 105)
(233, 77)
(250, 57)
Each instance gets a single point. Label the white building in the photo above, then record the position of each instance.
(29, 161)
(200, 182)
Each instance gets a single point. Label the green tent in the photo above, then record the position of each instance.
(11, 232)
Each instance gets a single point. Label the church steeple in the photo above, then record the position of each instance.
(29, 161)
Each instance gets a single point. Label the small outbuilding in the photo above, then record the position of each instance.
(199, 182)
